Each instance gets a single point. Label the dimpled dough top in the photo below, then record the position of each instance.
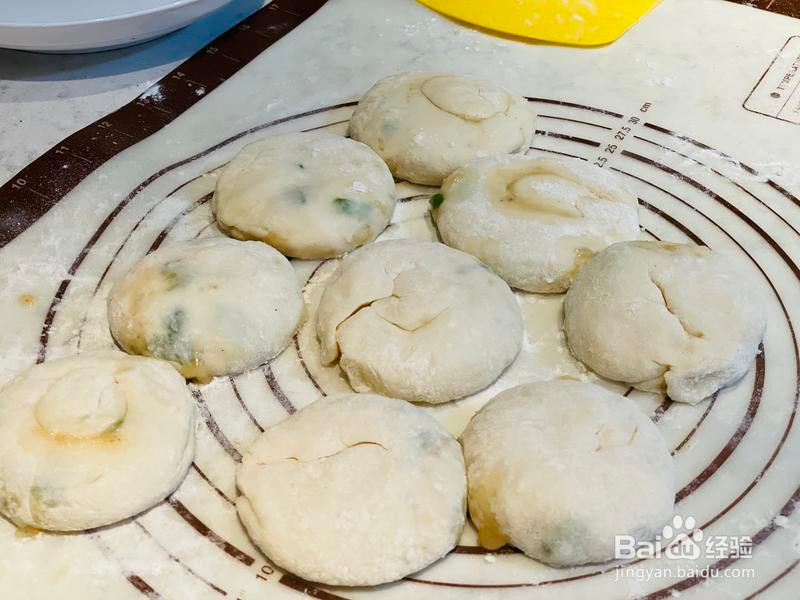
(354, 490)
(559, 468)
(665, 317)
(534, 221)
(426, 125)
(90, 440)
(310, 195)
(211, 307)
(418, 321)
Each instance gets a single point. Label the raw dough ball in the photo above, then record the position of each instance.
(426, 125)
(663, 316)
(310, 195)
(354, 490)
(211, 307)
(418, 321)
(559, 468)
(534, 221)
(90, 440)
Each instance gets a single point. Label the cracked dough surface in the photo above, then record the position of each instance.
(418, 321)
(354, 490)
(665, 317)
(558, 468)
(211, 307)
(310, 195)
(426, 125)
(535, 221)
(94, 439)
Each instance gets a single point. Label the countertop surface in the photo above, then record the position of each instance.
(46, 97)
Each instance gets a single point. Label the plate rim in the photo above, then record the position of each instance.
(172, 5)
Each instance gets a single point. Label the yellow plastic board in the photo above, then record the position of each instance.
(578, 22)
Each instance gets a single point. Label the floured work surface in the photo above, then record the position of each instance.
(666, 106)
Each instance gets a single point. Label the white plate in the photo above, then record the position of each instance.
(90, 25)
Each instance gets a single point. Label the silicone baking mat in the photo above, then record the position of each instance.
(697, 108)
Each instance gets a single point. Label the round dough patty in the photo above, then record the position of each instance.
(559, 468)
(426, 125)
(665, 317)
(354, 490)
(418, 321)
(90, 440)
(211, 307)
(310, 195)
(534, 221)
